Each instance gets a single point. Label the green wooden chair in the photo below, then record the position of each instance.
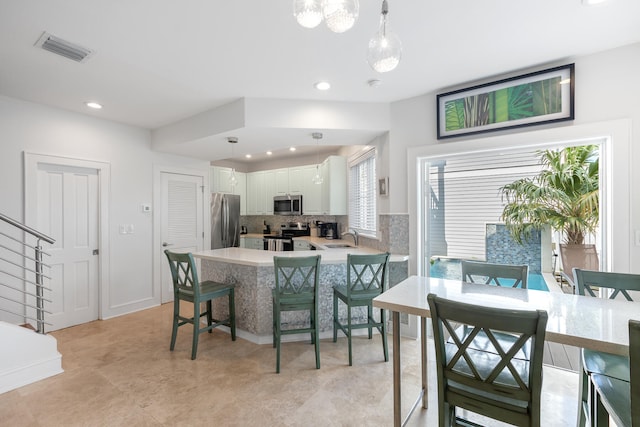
(496, 274)
(297, 280)
(492, 382)
(588, 283)
(187, 287)
(366, 279)
(618, 398)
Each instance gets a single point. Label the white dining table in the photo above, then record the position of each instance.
(595, 323)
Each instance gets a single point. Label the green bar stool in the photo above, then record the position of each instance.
(296, 289)
(588, 283)
(494, 382)
(187, 287)
(366, 279)
(618, 398)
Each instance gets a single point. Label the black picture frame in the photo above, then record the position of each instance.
(541, 97)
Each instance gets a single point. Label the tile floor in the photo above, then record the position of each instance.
(120, 372)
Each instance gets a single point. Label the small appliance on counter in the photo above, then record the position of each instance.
(266, 228)
(328, 230)
(243, 229)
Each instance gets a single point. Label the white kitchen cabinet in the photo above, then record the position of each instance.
(254, 193)
(301, 245)
(281, 181)
(252, 243)
(328, 198)
(311, 192)
(220, 184)
(269, 191)
(296, 180)
(334, 186)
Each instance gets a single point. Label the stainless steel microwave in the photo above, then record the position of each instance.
(287, 205)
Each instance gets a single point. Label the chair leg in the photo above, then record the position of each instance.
(349, 333)
(583, 401)
(232, 314)
(312, 322)
(335, 317)
(277, 339)
(370, 319)
(196, 329)
(600, 416)
(273, 320)
(316, 330)
(209, 315)
(176, 314)
(385, 346)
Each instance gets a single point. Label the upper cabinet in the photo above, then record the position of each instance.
(282, 182)
(328, 198)
(334, 186)
(220, 183)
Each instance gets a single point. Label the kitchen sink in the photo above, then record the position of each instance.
(338, 245)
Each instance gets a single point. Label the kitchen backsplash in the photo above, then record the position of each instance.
(394, 228)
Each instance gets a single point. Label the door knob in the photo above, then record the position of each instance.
(165, 244)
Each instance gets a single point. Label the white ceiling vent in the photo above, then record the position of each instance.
(63, 48)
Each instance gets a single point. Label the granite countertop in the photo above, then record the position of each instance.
(260, 258)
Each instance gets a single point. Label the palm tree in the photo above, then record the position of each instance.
(564, 195)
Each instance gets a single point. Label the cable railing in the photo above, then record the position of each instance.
(22, 274)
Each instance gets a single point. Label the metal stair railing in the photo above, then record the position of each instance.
(27, 267)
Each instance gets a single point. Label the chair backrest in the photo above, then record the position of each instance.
(634, 370)
(498, 274)
(579, 256)
(619, 283)
(367, 274)
(497, 381)
(296, 275)
(183, 273)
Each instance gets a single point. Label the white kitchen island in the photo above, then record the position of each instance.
(251, 271)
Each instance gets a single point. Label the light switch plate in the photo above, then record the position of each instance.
(637, 237)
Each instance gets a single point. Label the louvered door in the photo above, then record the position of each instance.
(182, 220)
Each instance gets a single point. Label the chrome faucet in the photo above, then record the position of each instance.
(353, 233)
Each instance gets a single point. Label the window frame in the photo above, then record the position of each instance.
(367, 226)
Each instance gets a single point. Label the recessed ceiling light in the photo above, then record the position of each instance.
(592, 2)
(93, 105)
(292, 148)
(248, 156)
(269, 153)
(322, 85)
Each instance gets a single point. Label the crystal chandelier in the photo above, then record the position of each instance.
(339, 15)
(232, 178)
(385, 48)
(317, 178)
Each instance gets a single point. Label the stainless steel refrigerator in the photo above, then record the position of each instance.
(225, 220)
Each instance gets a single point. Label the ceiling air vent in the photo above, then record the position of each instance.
(63, 48)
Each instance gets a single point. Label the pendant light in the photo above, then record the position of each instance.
(317, 179)
(385, 48)
(308, 13)
(232, 178)
(339, 15)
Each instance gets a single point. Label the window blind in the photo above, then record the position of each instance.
(362, 193)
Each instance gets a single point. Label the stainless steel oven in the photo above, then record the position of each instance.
(287, 205)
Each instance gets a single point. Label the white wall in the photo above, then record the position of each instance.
(39, 129)
(607, 85)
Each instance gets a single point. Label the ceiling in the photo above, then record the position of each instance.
(157, 62)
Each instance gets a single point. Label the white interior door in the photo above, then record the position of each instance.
(67, 210)
(182, 220)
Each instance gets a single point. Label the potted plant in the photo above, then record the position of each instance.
(564, 195)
